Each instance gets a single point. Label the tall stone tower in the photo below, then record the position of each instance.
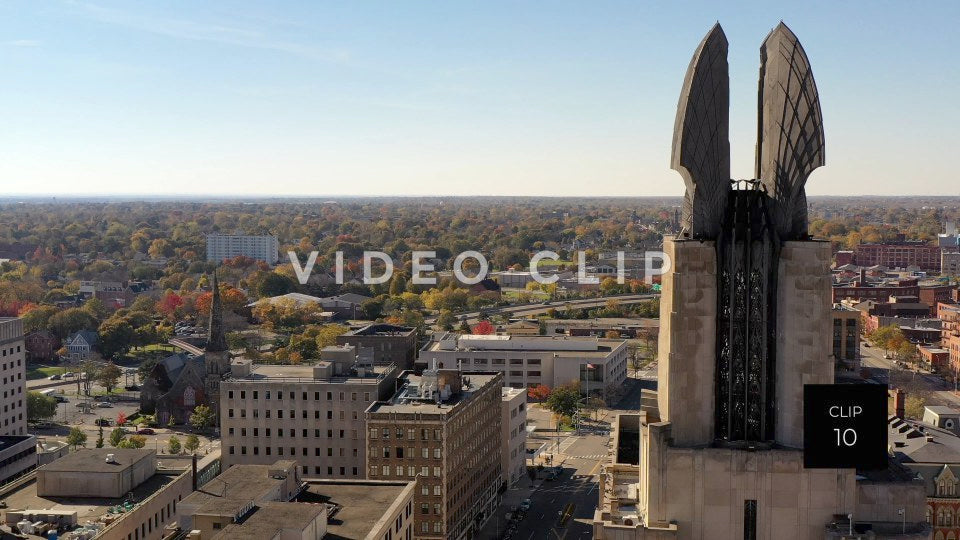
(745, 322)
(216, 353)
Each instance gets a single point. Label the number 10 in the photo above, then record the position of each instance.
(842, 437)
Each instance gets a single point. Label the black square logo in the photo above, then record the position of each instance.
(845, 426)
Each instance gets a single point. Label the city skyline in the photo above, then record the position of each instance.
(376, 100)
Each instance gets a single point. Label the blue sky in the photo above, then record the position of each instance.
(437, 98)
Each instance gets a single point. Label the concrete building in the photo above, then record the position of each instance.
(274, 502)
(902, 254)
(106, 473)
(13, 377)
(311, 414)
(228, 246)
(442, 429)
(235, 493)
(949, 315)
(950, 263)
(391, 344)
(149, 503)
(846, 335)
(744, 326)
(598, 365)
(513, 434)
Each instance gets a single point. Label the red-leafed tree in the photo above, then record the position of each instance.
(121, 418)
(539, 392)
(169, 303)
(484, 328)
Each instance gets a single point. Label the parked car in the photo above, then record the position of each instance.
(102, 422)
(525, 505)
(131, 388)
(54, 377)
(145, 431)
(552, 476)
(68, 375)
(104, 405)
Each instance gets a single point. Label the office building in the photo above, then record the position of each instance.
(311, 414)
(442, 429)
(598, 365)
(513, 434)
(228, 246)
(13, 374)
(391, 344)
(846, 335)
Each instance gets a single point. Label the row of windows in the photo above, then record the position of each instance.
(292, 433)
(155, 522)
(354, 415)
(10, 351)
(399, 453)
(499, 361)
(402, 471)
(410, 432)
(278, 395)
(267, 451)
(11, 366)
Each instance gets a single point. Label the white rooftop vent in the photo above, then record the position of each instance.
(110, 458)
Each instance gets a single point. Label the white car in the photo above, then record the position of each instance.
(104, 405)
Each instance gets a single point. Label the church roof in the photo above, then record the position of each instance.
(217, 341)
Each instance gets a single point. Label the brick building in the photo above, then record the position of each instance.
(901, 254)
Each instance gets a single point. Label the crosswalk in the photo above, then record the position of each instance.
(591, 456)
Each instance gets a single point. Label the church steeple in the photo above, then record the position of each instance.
(217, 341)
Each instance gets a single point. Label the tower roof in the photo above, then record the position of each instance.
(217, 341)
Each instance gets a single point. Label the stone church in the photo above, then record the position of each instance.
(717, 452)
(180, 382)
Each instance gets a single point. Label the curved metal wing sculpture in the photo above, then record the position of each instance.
(701, 147)
(790, 143)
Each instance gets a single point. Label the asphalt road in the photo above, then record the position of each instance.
(535, 309)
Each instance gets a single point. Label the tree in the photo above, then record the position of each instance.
(274, 284)
(100, 436)
(907, 352)
(484, 328)
(539, 392)
(173, 445)
(201, 417)
(121, 418)
(116, 437)
(108, 376)
(191, 443)
(134, 441)
(563, 400)
(40, 407)
(446, 319)
(76, 438)
(114, 336)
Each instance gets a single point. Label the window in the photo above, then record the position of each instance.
(749, 519)
(373, 433)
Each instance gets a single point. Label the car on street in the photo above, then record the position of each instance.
(55, 377)
(104, 405)
(525, 505)
(551, 476)
(145, 431)
(103, 422)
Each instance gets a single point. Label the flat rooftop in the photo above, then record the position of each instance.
(407, 399)
(236, 487)
(358, 504)
(6, 441)
(87, 508)
(95, 460)
(270, 518)
(580, 346)
(381, 329)
(304, 373)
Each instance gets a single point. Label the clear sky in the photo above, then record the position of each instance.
(437, 98)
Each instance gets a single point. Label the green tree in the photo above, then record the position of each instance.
(201, 418)
(76, 438)
(446, 319)
(191, 443)
(100, 436)
(563, 400)
(108, 376)
(114, 336)
(116, 437)
(96, 308)
(274, 284)
(40, 407)
(134, 441)
(173, 445)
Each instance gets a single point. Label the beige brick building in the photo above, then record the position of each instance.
(442, 429)
(311, 414)
(513, 434)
